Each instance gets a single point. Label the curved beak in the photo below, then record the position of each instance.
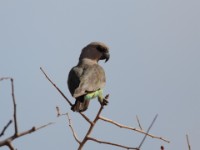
(106, 56)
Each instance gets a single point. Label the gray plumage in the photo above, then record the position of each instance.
(87, 76)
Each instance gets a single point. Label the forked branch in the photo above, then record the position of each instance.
(8, 141)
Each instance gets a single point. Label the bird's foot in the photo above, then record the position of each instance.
(105, 100)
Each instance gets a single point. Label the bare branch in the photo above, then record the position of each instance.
(188, 143)
(131, 128)
(109, 143)
(71, 127)
(148, 131)
(4, 129)
(138, 121)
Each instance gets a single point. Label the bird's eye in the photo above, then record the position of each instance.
(101, 49)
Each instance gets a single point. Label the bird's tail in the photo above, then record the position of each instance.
(80, 105)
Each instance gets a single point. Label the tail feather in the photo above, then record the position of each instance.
(80, 105)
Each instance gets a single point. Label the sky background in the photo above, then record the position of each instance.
(154, 69)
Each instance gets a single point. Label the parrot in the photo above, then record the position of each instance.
(87, 79)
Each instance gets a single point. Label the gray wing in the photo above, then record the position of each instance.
(74, 79)
(86, 79)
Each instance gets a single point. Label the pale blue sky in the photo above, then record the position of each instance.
(154, 68)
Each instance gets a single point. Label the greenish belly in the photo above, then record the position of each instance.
(92, 95)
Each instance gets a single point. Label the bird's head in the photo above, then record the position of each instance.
(95, 51)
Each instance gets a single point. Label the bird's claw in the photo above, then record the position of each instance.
(105, 102)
